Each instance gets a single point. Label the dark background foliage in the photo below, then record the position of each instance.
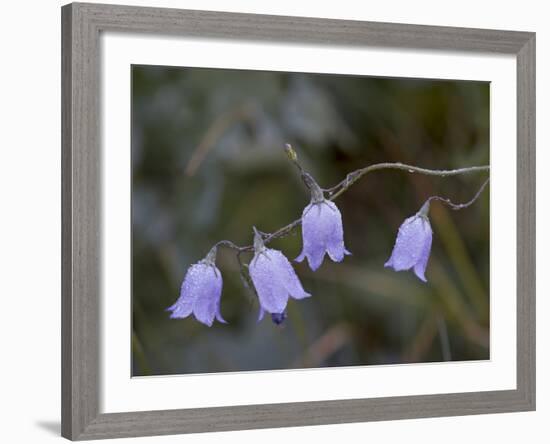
(208, 164)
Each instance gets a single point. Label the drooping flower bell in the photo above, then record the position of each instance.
(322, 230)
(200, 292)
(274, 279)
(413, 244)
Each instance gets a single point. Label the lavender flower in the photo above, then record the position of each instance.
(322, 230)
(200, 292)
(274, 278)
(413, 244)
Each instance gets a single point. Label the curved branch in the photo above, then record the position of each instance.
(455, 206)
(353, 177)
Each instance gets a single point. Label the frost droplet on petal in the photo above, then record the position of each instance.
(322, 232)
(412, 246)
(200, 294)
(274, 280)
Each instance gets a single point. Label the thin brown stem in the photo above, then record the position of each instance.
(455, 206)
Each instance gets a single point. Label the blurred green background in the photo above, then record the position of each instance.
(208, 164)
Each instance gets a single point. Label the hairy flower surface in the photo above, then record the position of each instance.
(413, 244)
(200, 292)
(274, 279)
(322, 230)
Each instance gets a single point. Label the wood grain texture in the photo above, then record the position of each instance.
(230, 25)
(526, 216)
(119, 425)
(81, 222)
(81, 236)
(66, 224)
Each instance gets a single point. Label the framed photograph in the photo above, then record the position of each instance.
(278, 221)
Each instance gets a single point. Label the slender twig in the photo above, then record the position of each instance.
(227, 243)
(353, 177)
(455, 206)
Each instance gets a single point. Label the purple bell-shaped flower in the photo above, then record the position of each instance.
(413, 244)
(274, 279)
(322, 230)
(200, 292)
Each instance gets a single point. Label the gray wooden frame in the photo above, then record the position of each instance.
(81, 234)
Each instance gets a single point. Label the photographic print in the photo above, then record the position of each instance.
(286, 220)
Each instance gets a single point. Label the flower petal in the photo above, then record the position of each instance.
(322, 232)
(209, 288)
(408, 245)
(312, 237)
(287, 275)
(420, 266)
(315, 256)
(337, 251)
(181, 309)
(261, 314)
(271, 291)
(219, 316)
(184, 305)
(200, 294)
(205, 311)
